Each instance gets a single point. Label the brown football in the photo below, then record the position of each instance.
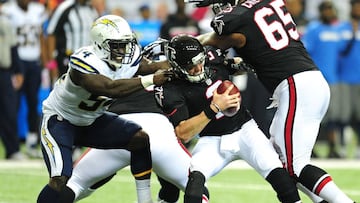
(221, 89)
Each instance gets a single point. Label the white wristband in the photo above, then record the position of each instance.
(147, 80)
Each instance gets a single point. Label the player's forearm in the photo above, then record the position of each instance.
(147, 66)
(187, 129)
(224, 41)
(100, 85)
(205, 39)
(117, 88)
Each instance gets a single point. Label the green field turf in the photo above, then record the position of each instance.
(21, 183)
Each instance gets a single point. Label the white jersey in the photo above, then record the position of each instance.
(27, 26)
(76, 104)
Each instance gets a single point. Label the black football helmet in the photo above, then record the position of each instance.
(183, 53)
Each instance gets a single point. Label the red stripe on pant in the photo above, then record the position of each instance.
(289, 125)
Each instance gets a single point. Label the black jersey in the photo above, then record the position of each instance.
(273, 44)
(181, 99)
(141, 101)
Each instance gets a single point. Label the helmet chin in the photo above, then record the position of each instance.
(196, 78)
(106, 57)
(114, 64)
(115, 61)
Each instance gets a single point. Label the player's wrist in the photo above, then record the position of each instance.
(209, 112)
(147, 80)
(217, 107)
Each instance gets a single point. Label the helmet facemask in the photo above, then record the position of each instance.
(119, 51)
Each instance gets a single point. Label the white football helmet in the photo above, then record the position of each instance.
(113, 40)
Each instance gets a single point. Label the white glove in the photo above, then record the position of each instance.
(203, 3)
(155, 49)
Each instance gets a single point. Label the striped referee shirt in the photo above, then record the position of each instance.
(70, 24)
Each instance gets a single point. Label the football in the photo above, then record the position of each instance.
(221, 89)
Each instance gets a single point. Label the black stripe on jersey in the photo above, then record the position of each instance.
(82, 65)
(137, 61)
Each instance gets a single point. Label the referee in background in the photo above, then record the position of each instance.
(68, 30)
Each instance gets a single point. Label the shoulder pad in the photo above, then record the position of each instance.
(214, 55)
(137, 56)
(84, 60)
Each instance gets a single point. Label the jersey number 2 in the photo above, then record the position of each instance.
(276, 33)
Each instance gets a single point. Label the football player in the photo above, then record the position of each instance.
(170, 159)
(263, 33)
(26, 18)
(75, 111)
(194, 107)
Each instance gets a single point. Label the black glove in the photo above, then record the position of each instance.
(242, 66)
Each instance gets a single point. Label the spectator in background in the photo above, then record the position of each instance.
(162, 11)
(50, 4)
(68, 30)
(203, 16)
(350, 71)
(27, 18)
(322, 40)
(100, 7)
(117, 11)
(11, 79)
(179, 23)
(146, 29)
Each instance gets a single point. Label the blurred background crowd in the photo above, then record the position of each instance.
(38, 36)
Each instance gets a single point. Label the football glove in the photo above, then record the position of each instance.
(242, 66)
(155, 49)
(203, 3)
